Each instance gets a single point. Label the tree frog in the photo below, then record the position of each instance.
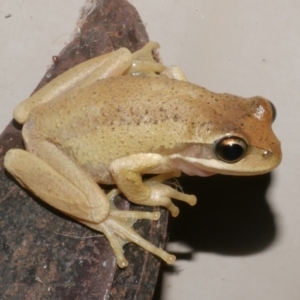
(116, 117)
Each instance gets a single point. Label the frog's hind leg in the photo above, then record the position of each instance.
(61, 183)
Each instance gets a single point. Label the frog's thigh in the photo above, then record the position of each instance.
(61, 184)
(107, 65)
(127, 172)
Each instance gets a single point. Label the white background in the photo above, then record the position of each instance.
(245, 47)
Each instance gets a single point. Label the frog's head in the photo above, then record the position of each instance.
(240, 141)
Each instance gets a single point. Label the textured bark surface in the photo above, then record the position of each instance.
(46, 255)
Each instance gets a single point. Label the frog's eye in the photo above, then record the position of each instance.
(230, 149)
(273, 108)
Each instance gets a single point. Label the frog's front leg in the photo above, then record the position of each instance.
(127, 172)
(57, 180)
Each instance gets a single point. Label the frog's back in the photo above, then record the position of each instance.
(117, 117)
(140, 106)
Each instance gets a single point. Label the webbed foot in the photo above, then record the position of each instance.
(118, 230)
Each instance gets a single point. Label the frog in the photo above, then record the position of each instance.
(123, 115)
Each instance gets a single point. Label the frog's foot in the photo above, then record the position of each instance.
(161, 194)
(127, 174)
(150, 181)
(118, 230)
(174, 72)
(144, 63)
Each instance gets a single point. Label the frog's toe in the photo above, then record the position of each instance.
(125, 215)
(129, 216)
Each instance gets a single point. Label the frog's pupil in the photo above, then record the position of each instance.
(231, 152)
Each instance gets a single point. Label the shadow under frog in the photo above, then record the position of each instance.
(232, 216)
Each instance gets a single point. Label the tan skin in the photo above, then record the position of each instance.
(116, 117)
